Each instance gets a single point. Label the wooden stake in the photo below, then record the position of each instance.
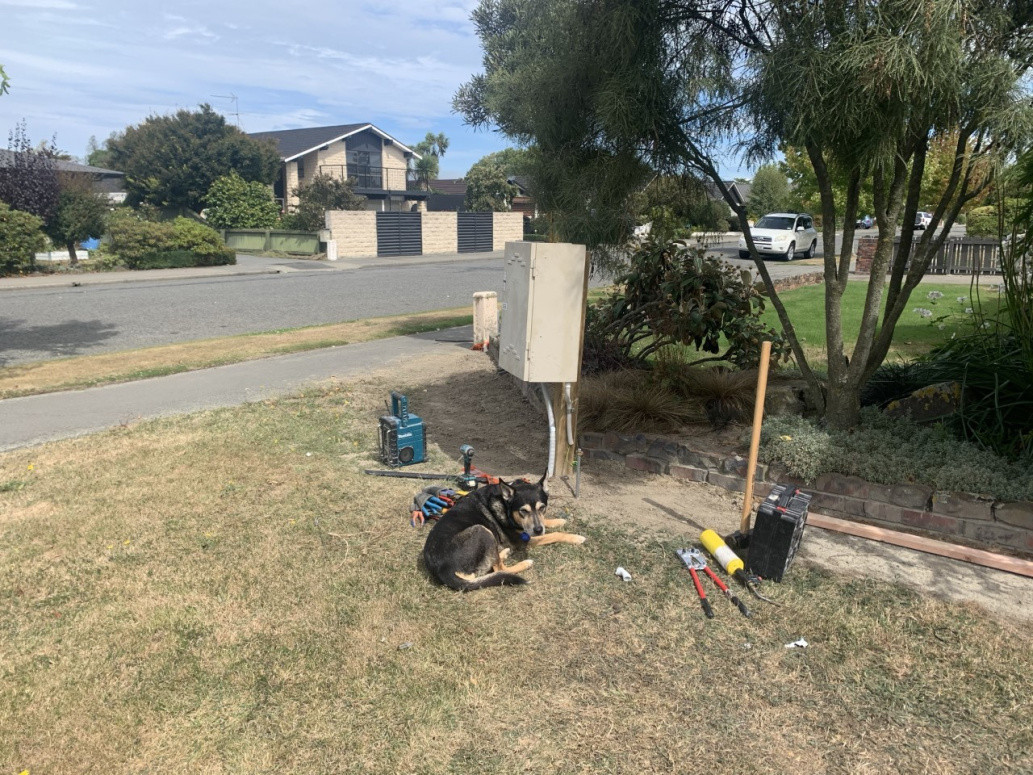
(758, 420)
(922, 544)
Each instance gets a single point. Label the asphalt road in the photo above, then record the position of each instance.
(44, 323)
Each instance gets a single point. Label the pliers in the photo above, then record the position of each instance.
(696, 561)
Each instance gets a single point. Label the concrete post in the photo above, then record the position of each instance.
(485, 318)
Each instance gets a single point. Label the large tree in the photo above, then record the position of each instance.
(769, 192)
(488, 187)
(80, 214)
(611, 91)
(173, 160)
(28, 182)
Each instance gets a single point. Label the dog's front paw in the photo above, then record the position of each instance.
(578, 540)
(550, 523)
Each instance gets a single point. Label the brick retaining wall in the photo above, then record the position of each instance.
(974, 519)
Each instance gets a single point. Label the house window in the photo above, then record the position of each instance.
(301, 169)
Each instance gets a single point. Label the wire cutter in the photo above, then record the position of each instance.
(695, 560)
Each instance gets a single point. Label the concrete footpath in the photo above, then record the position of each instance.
(246, 265)
(37, 419)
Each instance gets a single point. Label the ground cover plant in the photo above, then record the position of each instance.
(93, 370)
(893, 450)
(226, 592)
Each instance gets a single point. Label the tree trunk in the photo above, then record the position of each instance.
(73, 260)
(843, 406)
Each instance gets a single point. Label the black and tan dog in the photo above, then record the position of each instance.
(467, 548)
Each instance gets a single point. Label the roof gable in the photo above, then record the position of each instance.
(292, 143)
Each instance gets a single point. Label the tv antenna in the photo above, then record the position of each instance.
(236, 108)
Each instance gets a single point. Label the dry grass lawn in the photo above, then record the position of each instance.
(227, 592)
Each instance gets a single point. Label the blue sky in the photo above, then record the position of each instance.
(90, 67)
(82, 68)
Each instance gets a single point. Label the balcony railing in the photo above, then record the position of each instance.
(375, 178)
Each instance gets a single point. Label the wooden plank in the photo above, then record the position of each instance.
(922, 544)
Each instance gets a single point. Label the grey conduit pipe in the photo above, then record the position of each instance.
(570, 414)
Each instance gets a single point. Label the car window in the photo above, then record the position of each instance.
(773, 222)
(807, 223)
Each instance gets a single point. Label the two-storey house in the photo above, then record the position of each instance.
(378, 163)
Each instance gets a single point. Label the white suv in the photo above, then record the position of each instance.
(783, 235)
(922, 220)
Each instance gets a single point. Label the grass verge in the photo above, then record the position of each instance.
(93, 370)
(226, 592)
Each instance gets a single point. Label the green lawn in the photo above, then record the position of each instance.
(914, 334)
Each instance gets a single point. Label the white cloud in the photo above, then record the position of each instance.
(187, 31)
(78, 72)
(57, 5)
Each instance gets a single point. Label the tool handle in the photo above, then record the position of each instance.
(740, 605)
(716, 579)
(702, 594)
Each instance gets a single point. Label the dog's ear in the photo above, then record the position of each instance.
(506, 490)
(544, 481)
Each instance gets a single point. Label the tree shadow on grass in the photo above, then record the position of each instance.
(58, 340)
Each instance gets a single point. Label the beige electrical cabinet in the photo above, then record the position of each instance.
(542, 303)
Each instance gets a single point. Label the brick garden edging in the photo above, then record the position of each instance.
(974, 519)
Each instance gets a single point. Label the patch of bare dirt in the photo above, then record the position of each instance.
(468, 401)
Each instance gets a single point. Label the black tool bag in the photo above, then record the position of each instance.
(777, 531)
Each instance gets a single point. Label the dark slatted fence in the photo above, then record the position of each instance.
(475, 232)
(399, 234)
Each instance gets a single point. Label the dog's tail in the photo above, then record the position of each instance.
(491, 580)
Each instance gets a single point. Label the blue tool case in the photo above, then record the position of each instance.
(403, 436)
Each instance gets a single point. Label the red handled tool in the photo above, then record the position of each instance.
(695, 561)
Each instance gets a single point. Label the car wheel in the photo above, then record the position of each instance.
(744, 254)
(809, 253)
(790, 252)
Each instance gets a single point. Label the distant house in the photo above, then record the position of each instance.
(739, 190)
(449, 195)
(377, 162)
(110, 183)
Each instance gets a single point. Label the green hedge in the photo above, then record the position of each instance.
(144, 244)
(985, 221)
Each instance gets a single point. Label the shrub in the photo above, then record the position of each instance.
(21, 237)
(322, 193)
(986, 221)
(887, 450)
(204, 242)
(673, 294)
(140, 243)
(234, 203)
